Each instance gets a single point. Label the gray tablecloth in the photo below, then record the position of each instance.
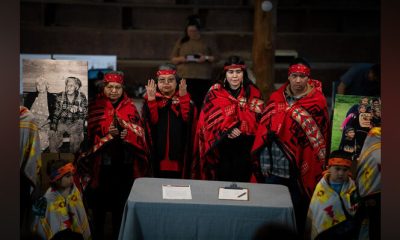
(148, 216)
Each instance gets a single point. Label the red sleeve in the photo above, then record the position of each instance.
(185, 107)
(153, 108)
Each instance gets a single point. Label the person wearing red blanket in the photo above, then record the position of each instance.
(292, 137)
(170, 117)
(118, 153)
(227, 124)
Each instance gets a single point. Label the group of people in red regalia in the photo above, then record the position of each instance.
(226, 140)
(235, 137)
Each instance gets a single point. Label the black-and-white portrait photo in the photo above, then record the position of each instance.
(56, 92)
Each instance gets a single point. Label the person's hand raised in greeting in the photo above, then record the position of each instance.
(113, 130)
(234, 133)
(182, 88)
(151, 89)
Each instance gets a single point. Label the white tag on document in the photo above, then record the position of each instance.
(233, 194)
(176, 192)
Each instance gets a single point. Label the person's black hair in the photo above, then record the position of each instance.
(341, 154)
(300, 60)
(192, 20)
(246, 80)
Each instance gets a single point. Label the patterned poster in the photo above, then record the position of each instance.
(353, 117)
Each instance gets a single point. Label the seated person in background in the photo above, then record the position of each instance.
(170, 117)
(61, 206)
(69, 116)
(361, 79)
(333, 206)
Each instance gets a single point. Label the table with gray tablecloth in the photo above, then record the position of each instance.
(148, 216)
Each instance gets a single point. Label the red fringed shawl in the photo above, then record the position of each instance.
(302, 130)
(220, 114)
(101, 116)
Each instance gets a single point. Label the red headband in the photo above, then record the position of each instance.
(242, 66)
(60, 172)
(113, 77)
(165, 72)
(299, 68)
(339, 161)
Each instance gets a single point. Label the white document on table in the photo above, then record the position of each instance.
(176, 192)
(233, 194)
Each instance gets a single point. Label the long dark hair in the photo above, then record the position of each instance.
(236, 60)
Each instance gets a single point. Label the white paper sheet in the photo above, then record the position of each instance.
(176, 192)
(233, 194)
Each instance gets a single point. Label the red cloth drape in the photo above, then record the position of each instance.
(220, 114)
(302, 130)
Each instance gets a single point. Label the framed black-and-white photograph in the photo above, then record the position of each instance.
(56, 92)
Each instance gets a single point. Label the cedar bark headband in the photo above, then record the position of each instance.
(60, 172)
(165, 72)
(339, 162)
(242, 66)
(299, 68)
(113, 77)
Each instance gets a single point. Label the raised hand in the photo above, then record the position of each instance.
(151, 89)
(182, 88)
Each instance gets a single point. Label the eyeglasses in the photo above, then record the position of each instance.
(110, 87)
(166, 80)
